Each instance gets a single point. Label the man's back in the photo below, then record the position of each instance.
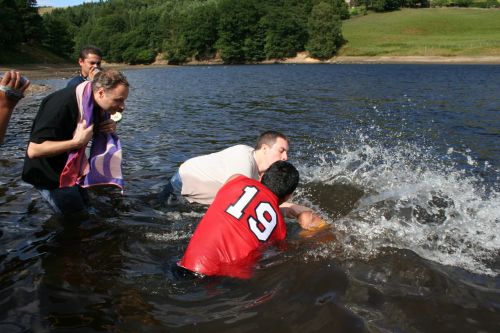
(244, 216)
(203, 176)
(55, 121)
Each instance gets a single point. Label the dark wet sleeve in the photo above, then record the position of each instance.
(56, 119)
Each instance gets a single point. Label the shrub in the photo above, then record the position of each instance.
(440, 3)
(325, 31)
(492, 4)
(386, 5)
(463, 3)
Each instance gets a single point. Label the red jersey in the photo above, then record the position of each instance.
(244, 215)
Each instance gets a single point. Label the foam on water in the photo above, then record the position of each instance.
(168, 236)
(413, 199)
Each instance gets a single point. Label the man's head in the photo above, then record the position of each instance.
(110, 89)
(89, 59)
(271, 146)
(282, 179)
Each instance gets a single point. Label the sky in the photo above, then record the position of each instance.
(62, 3)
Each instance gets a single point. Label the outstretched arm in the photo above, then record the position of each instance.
(307, 219)
(11, 91)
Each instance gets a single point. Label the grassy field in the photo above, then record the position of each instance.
(424, 32)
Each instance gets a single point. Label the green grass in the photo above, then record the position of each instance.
(424, 32)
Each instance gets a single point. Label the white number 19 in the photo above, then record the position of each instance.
(267, 224)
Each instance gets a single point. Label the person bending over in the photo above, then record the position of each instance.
(199, 178)
(56, 162)
(243, 218)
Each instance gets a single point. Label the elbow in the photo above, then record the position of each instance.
(31, 151)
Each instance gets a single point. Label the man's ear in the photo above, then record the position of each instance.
(100, 92)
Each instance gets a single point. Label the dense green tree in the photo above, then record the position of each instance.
(236, 29)
(193, 33)
(285, 34)
(56, 36)
(19, 22)
(254, 44)
(31, 24)
(325, 33)
(200, 30)
(340, 8)
(9, 24)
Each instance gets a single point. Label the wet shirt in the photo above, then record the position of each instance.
(203, 176)
(243, 218)
(56, 121)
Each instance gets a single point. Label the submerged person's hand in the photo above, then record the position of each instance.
(308, 220)
(315, 228)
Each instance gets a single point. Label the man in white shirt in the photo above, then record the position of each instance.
(199, 178)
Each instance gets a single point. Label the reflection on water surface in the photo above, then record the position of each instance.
(402, 160)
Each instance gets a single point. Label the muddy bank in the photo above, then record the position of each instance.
(54, 71)
(65, 71)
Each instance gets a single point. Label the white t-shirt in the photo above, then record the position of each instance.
(204, 175)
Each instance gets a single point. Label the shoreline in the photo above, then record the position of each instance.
(63, 71)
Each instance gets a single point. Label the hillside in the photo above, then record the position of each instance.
(28, 54)
(434, 35)
(424, 32)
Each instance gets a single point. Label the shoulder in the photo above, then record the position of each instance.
(66, 91)
(238, 149)
(244, 149)
(75, 81)
(235, 185)
(233, 177)
(61, 97)
(60, 101)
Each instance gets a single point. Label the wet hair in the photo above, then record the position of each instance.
(109, 79)
(281, 178)
(90, 49)
(269, 138)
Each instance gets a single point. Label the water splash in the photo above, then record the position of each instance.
(413, 199)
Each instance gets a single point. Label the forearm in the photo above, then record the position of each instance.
(291, 210)
(5, 114)
(51, 148)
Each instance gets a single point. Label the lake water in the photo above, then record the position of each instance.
(402, 160)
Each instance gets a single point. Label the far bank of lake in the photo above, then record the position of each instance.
(48, 71)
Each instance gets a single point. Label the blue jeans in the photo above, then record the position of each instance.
(171, 193)
(66, 200)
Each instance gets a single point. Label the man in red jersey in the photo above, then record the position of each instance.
(244, 217)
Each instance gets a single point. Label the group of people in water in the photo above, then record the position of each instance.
(246, 188)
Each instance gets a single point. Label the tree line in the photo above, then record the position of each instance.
(135, 31)
(236, 31)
